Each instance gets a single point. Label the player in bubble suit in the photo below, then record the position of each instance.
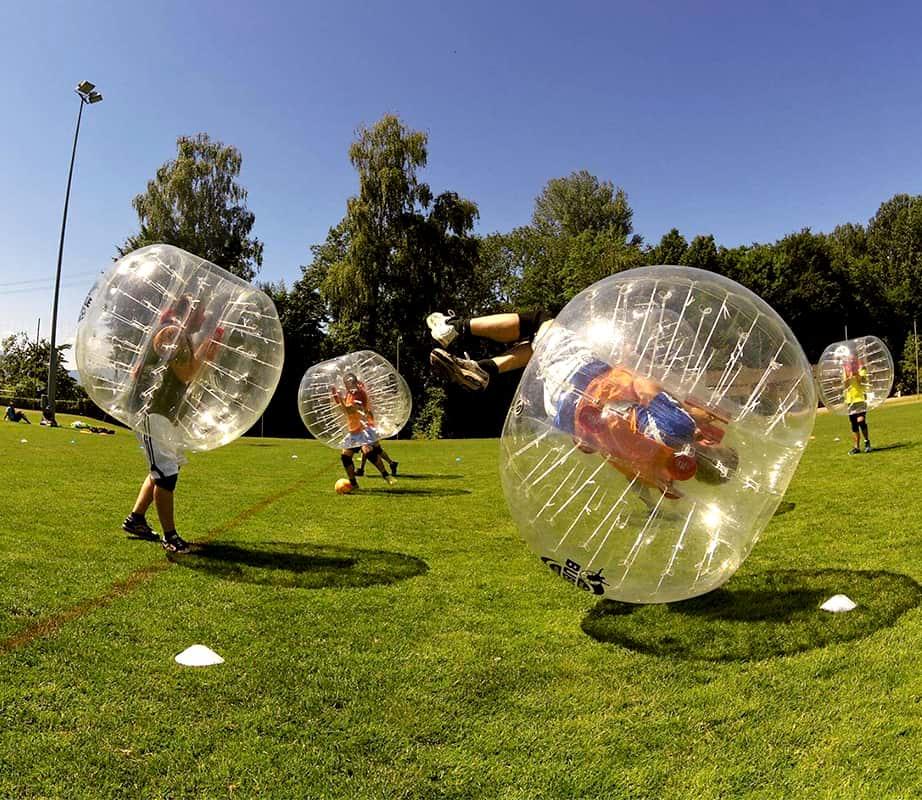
(628, 419)
(362, 433)
(174, 358)
(854, 378)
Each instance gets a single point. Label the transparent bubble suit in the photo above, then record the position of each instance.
(122, 369)
(855, 372)
(389, 397)
(654, 432)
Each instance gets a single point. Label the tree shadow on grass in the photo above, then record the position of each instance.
(758, 616)
(301, 566)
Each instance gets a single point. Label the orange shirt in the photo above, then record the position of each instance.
(358, 411)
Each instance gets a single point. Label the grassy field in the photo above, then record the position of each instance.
(404, 643)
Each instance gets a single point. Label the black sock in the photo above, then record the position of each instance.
(168, 534)
(489, 366)
(136, 517)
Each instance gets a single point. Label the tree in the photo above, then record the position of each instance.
(398, 253)
(670, 250)
(702, 254)
(196, 203)
(908, 375)
(579, 203)
(894, 243)
(24, 368)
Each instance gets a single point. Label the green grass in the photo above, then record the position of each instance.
(404, 643)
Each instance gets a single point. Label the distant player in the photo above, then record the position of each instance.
(174, 359)
(362, 433)
(855, 378)
(15, 415)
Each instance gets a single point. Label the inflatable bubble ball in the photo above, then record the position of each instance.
(855, 375)
(654, 432)
(354, 400)
(169, 341)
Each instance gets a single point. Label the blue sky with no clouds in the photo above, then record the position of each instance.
(745, 120)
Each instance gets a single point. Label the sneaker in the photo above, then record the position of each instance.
(354, 482)
(389, 480)
(441, 329)
(173, 542)
(854, 451)
(139, 528)
(867, 447)
(393, 467)
(463, 371)
(360, 472)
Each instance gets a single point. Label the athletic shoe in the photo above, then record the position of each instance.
(354, 482)
(854, 451)
(139, 528)
(867, 447)
(441, 329)
(389, 480)
(463, 371)
(393, 467)
(360, 472)
(174, 543)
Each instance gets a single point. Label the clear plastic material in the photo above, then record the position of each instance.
(855, 375)
(654, 433)
(165, 334)
(327, 392)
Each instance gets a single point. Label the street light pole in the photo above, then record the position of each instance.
(87, 93)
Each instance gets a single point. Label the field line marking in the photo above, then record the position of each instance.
(48, 626)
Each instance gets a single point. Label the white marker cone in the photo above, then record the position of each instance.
(838, 603)
(198, 656)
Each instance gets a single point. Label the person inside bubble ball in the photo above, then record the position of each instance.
(855, 379)
(627, 418)
(362, 434)
(174, 358)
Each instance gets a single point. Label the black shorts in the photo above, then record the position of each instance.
(853, 419)
(530, 323)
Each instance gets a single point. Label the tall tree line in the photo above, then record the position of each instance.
(402, 250)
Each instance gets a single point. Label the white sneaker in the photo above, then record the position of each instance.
(464, 371)
(441, 329)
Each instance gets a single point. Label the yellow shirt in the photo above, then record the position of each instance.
(856, 387)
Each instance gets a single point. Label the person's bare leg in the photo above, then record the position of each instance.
(513, 359)
(163, 499)
(145, 497)
(498, 327)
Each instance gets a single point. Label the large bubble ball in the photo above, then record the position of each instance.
(654, 432)
(354, 399)
(166, 334)
(855, 375)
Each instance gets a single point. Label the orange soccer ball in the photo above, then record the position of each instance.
(342, 486)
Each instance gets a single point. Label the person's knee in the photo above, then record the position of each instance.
(854, 422)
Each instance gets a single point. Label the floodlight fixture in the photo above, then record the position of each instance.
(85, 87)
(94, 97)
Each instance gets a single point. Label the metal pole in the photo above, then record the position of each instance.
(398, 354)
(53, 360)
(38, 328)
(915, 335)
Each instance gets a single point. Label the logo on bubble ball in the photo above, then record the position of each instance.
(518, 407)
(573, 572)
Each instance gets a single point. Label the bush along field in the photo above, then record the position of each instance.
(402, 642)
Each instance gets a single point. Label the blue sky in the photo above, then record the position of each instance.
(744, 120)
